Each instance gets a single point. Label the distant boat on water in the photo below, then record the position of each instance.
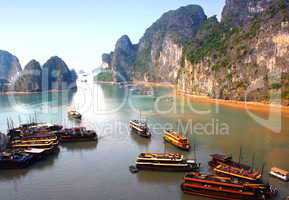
(165, 162)
(140, 127)
(279, 173)
(177, 139)
(73, 114)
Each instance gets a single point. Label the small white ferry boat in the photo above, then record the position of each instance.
(280, 173)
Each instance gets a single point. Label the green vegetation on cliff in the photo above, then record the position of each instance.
(105, 76)
(232, 59)
(209, 41)
(226, 44)
(178, 26)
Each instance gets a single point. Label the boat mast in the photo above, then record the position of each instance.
(253, 162)
(165, 149)
(262, 172)
(35, 115)
(139, 115)
(195, 153)
(12, 123)
(19, 119)
(8, 126)
(178, 129)
(240, 155)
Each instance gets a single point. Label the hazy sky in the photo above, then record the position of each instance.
(79, 31)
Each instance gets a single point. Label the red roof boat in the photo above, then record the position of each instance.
(224, 188)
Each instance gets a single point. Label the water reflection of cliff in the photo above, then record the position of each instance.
(113, 91)
(52, 98)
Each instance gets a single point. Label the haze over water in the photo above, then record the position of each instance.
(100, 171)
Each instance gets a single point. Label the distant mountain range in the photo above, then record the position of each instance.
(245, 56)
(53, 75)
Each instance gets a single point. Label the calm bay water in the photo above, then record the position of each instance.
(93, 171)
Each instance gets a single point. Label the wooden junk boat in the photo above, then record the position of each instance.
(224, 165)
(47, 126)
(33, 128)
(165, 162)
(78, 134)
(15, 160)
(280, 173)
(73, 114)
(22, 158)
(224, 188)
(40, 140)
(240, 173)
(218, 159)
(140, 127)
(177, 140)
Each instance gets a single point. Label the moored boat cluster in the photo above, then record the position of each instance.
(229, 180)
(33, 142)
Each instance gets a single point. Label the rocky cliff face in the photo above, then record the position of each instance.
(107, 60)
(9, 66)
(56, 75)
(240, 12)
(243, 57)
(158, 55)
(160, 49)
(73, 75)
(30, 79)
(245, 63)
(121, 60)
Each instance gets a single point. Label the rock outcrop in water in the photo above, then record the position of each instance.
(73, 75)
(9, 69)
(56, 75)
(107, 60)
(30, 79)
(123, 60)
(243, 57)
